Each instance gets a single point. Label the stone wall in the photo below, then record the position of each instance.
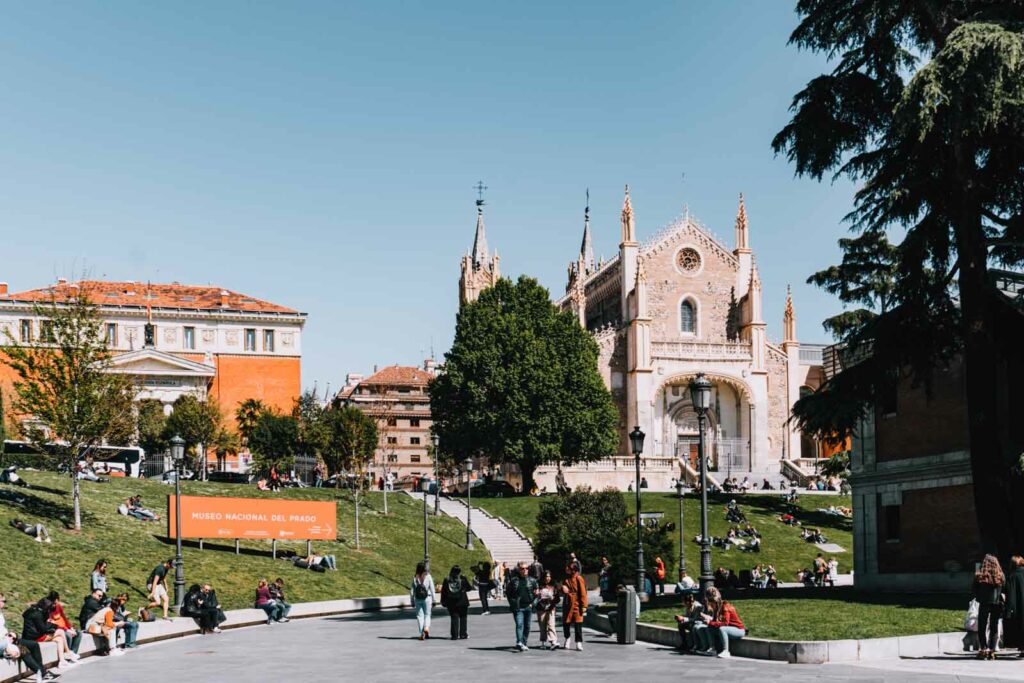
(778, 401)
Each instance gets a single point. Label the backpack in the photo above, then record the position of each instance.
(420, 591)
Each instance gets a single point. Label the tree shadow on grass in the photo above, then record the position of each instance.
(51, 491)
(130, 587)
(32, 506)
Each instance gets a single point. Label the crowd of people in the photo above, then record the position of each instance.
(997, 606)
(529, 590)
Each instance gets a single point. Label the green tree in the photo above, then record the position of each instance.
(151, 427)
(521, 384)
(3, 428)
(925, 108)
(200, 424)
(314, 433)
(247, 415)
(350, 448)
(274, 440)
(64, 382)
(593, 524)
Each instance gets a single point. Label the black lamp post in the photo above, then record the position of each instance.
(468, 464)
(178, 456)
(636, 441)
(700, 395)
(680, 487)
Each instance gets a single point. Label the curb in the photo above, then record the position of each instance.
(805, 651)
(156, 631)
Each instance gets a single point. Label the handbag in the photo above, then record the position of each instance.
(971, 618)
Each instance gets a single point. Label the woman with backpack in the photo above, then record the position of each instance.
(988, 591)
(422, 594)
(483, 583)
(455, 598)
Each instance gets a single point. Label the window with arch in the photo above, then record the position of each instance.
(687, 317)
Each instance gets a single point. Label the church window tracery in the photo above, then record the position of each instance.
(687, 317)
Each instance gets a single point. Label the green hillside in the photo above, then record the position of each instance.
(391, 545)
(781, 544)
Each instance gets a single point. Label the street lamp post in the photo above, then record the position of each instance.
(636, 440)
(469, 503)
(178, 456)
(700, 395)
(682, 556)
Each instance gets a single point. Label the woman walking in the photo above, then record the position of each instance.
(483, 586)
(547, 602)
(422, 593)
(988, 590)
(455, 597)
(574, 606)
(1013, 619)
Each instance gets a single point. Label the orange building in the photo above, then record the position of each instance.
(182, 339)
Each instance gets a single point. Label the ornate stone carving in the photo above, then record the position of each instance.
(170, 335)
(688, 261)
(209, 336)
(231, 337)
(287, 339)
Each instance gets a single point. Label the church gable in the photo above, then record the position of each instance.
(690, 281)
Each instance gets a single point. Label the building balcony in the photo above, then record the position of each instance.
(687, 350)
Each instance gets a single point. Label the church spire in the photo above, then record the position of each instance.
(480, 255)
(628, 224)
(742, 232)
(789, 319)
(587, 248)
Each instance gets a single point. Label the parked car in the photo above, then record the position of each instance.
(489, 489)
(170, 475)
(229, 477)
(339, 481)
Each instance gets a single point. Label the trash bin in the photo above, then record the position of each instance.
(625, 618)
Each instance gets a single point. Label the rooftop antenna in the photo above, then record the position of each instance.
(480, 187)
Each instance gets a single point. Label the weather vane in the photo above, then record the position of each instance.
(480, 187)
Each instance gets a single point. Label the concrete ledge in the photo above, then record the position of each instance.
(155, 631)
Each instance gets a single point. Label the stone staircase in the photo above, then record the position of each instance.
(504, 542)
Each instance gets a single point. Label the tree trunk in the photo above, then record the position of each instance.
(990, 470)
(357, 519)
(526, 469)
(76, 498)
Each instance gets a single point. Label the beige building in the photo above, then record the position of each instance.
(396, 397)
(663, 310)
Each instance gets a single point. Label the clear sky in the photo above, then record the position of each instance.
(323, 155)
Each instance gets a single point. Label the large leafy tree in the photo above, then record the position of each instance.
(274, 440)
(151, 426)
(65, 384)
(201, 425)
(925, 107)
(247, 415)
(521, 384)
(350, 446)
(314, 432)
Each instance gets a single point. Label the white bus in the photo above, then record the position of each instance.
(106, 460)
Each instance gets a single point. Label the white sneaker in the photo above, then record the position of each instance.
(284, 620)
(519, 646)
(216, 629)
(525, 647)
(74, 656)
(724, 654)
(565, 645)
(579, 647)
(116, 652)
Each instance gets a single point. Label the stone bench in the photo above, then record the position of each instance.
(805, 652)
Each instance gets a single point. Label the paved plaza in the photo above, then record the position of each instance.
(383, 647)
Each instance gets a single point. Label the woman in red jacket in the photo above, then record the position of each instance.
(723, 623)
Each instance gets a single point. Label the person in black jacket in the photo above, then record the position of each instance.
(92, 604)
(1013, 614)
(37, 628)
(455, 598)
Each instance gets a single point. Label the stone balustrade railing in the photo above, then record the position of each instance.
(683, 350)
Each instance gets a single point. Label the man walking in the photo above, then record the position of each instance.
(521, 590)
(157, 585)
(537, 569)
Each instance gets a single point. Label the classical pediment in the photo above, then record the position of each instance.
(153, 362)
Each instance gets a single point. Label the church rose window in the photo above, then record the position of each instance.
(688, 260)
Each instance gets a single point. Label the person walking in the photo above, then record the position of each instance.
(1013, 616)
(482, 581)
(574, 605)
(547, 603)
(156, 584)
(422, 594)
(455, 598)
(537, 569)
(521, 591)
(659, 574)
(988, 591)
(604, 580)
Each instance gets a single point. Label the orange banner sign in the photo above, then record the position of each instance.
(253, 518)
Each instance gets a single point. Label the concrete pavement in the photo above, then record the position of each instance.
(383, 647)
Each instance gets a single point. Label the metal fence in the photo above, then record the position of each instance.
(724, 455)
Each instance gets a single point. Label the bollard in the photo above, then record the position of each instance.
(273, 548)
(625, 617)
(236, 547)
(309, 547)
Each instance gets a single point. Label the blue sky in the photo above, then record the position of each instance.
(323, 155)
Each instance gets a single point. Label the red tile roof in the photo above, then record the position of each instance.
(193, 297)
(394, 375)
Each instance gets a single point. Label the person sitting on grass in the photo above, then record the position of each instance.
(14, 649)
(266, 602)
(689, 622)
(788, 519)
(9, 475)
(156, 584)
(36, 531)
(325, 561)
(136, 509)
(37, 627)
(686, 584)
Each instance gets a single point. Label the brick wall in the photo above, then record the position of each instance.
(937, 528)
(925, 424)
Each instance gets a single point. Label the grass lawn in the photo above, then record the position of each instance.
(384, 565)
(836, 613)
(781, 545)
